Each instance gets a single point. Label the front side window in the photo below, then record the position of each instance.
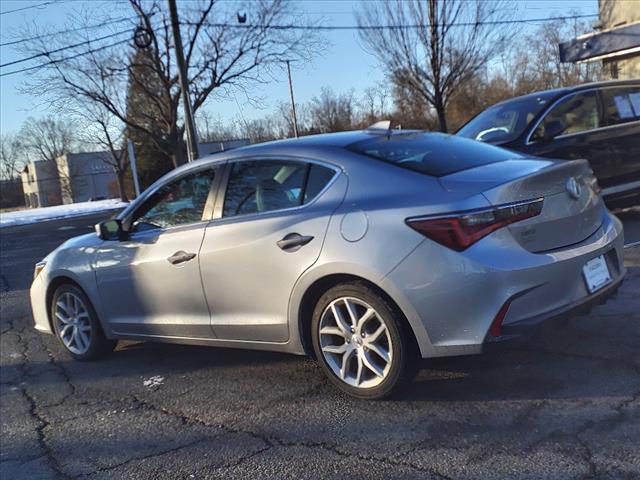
(621, 105)
(576, 114)
(179, 202)
(258, 186)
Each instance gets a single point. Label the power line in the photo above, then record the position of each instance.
(61, 49)
(40, 5)
(383, 27)
(60, 60)
(70, 30)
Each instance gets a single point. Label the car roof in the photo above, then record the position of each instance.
(560, 91)
(306, 144)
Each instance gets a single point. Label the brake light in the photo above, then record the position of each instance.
(460, 231)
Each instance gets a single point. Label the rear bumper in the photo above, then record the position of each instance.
(451, 299)
(522, 329)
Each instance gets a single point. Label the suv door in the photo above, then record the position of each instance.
(271, 229)
(622, 117)
(149, 283)
(579, 117)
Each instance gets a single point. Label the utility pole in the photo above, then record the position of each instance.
(192, 140)
(134, 168)
(293, 103)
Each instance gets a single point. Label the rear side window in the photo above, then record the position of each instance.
(433, 154)
(576, 113)
(621, 105)
(258, 186)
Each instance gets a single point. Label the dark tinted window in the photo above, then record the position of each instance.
(318, 178)
(432, 153)
(621, 105)
(576, 113)
(179, 202)
(504, 122)
(264, 186)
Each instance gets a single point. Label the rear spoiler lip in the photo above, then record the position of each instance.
(551, 164)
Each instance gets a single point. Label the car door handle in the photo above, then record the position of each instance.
(292, 242)
(181, 257)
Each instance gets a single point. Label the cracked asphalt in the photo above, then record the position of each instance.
(565, 405)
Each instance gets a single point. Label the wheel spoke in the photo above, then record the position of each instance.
(332, 331)
(360, 369)
(352, 313)
(61, 317)
(375, 335)
(63, 306)
(84, 337)
(381, 352)
(346, 360)
(84, 328)
(365, 317)
(340, 321)
(337, 349)
(65, 330)
(371, 366)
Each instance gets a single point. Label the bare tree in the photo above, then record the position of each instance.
(46, 139)
(12, 157)
(218, 56)
(434, 45)
(331, 112)
(373, 105)
(108, 132)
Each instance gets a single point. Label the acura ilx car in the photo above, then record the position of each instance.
(367, 250)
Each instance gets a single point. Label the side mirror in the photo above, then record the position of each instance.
(553, 129)
(110, 230)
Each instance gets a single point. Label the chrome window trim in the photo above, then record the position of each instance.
(475, 211)
(244, 216)
(623, 187)
(591, 130)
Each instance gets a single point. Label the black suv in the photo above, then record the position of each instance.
(597, 121)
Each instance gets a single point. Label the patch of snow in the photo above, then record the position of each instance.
(35, 215)
(153, 382)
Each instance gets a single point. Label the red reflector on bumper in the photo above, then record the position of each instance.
(496, 326)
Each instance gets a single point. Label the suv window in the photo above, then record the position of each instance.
(258, 186)
(179, 202)
(621, 105)
(577, 113)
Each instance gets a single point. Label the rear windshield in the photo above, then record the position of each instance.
(434, 154)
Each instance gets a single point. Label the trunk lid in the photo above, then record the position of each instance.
(572, 210)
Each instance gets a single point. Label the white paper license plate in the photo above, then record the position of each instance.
(596, 273)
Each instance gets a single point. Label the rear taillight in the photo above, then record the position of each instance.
(461, 230)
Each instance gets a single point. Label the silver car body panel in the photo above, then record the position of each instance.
(243, 291)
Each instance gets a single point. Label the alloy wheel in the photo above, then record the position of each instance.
(73, 322)
(355, 342)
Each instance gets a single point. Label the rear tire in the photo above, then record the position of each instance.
(361, 343)
(76, 325)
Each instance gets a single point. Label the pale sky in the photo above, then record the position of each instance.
(344, 65)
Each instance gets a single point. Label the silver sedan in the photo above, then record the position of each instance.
(366, 250)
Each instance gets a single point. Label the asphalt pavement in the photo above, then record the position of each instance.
(565, 405)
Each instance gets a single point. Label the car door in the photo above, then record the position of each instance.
(271, 229)
(622, 119)
(149, 282)
(578, 119)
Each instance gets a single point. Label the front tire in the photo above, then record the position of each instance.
(76, 325)
(360, 342)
